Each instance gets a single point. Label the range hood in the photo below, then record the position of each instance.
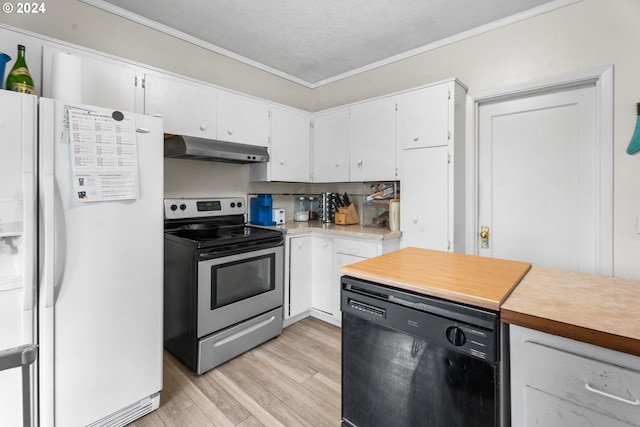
(189, 147)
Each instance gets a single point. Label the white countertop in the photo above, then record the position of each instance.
(357, 230)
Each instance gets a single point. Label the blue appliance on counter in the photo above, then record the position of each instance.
(260, 212)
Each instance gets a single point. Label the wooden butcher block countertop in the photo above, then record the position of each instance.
(604, 311)
(479, 281)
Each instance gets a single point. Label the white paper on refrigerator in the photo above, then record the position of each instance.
(104, 155)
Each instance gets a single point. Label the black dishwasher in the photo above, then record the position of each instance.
(412, 360)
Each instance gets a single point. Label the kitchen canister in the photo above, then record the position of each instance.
(394, 215)
(301, 212)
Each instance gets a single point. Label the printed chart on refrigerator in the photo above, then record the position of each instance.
(104, 155)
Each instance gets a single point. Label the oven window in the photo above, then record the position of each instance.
(239, 280)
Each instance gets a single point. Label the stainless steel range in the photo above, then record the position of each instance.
(223, 281)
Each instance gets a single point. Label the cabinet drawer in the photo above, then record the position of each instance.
(550, 411)
(356, 248)
(599, 386)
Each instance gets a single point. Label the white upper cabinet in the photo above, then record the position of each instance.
(243, 120)
(432, 174)
(423, 117)
(373, 141)
(290, 149)
(425, 212)
(95, 80)
(187, 108)
(331, 146)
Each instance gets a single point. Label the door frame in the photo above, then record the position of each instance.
(602, 78)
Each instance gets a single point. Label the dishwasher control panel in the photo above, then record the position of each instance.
(458, 327)
(367, 309)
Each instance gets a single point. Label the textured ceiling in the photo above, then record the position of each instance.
(316, 41)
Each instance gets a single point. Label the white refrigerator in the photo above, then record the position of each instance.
(81, 261)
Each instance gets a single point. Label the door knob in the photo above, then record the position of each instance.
(484, 237)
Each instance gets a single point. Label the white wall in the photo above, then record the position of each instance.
(584, 35)
(581, 36)
(84, 25)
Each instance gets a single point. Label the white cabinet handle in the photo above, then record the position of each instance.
(415, 219)
(230, 131)
(282, 162)
(156, 115)
(326, 245)
(416, 137)
(634, 402)
(142, 130)
(299, 245)
(337, 164)
(360, 163)
(203, 127)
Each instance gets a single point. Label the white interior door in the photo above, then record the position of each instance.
(539, 179)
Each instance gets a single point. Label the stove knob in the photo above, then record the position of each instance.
(173, 207)
(183, 207)
(233, 204)
(456, 336)
(239, 204)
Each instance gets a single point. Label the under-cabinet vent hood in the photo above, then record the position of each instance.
(189, 147)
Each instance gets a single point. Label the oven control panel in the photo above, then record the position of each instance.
(207, 207)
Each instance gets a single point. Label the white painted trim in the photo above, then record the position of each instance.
(547, 7)
(602, 78)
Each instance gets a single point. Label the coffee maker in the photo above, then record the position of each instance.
(261, 210)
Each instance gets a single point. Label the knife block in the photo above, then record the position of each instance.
(347, 216)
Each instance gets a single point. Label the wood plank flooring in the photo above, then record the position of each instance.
(292, 380)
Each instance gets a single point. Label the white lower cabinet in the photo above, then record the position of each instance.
(312, 281)
(322, 273)
(558, 382)
(298, 275)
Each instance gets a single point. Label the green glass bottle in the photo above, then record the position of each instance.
(19, 79)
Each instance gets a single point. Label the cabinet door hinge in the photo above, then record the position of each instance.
(311, 124)
(449, 93)
(448, 157)
(396, 106)
(449, 135)
(448, 245)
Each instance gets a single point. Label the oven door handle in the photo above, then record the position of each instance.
(238, 249)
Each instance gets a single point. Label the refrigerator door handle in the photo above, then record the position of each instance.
(30, 240)
(54, 242)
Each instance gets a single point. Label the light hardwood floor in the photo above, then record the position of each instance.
(292, 380)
